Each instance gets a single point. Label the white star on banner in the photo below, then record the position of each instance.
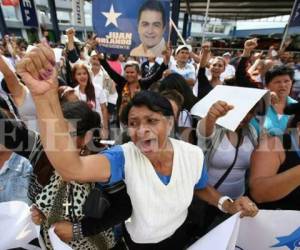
(111, 16)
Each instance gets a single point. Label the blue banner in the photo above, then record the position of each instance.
(29, 13)
(138, 28)
(295, 15)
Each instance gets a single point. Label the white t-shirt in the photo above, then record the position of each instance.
(99, 96)
(188, 72)
(98, 80)
(228, 73)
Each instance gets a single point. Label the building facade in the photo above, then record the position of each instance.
(67, 12)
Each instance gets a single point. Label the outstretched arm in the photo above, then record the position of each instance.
(243, 78)
(15, 87)
(204, 86)
(266, 184)
(54, 130)
(206, 126)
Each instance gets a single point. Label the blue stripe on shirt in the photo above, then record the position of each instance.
(115, 156)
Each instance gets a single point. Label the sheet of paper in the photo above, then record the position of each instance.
(57, 244)
(16, 226)
(220, 237)
(243, 100)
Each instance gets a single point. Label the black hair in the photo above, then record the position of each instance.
(279, 71)
(3, 104)
(173, 95)
(113, 57)
(293, 109)
(153, 5)
(4, 86)
(81, 116)
(152, 100)
(177, 82)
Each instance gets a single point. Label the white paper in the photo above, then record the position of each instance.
(16, 227)
(220, 237)
(262, 231)
(58, 54)
(269, 229)
(243, 100)
(57, 244)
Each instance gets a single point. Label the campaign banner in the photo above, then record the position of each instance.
(269, 229)
(138, 28)
(28, 12)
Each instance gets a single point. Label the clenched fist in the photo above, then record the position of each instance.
(37, 70)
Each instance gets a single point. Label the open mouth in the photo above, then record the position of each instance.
(147, 146)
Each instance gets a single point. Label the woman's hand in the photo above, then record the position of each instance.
(218, 110)
(37, 70)
(36, 215)
(249, 46)
(243, 205)
(167, 54)
(64, 230)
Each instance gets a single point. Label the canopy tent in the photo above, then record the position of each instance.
(236, 9)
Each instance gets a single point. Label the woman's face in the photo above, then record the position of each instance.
(131, 74)
(281, 85)
(148, 130)
(81, 76)
(217, 67)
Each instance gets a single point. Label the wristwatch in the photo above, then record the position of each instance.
(221, 202)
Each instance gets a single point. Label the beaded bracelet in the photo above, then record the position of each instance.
(77, 231)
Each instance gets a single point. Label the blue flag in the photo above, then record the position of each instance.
(295, 15)
(138, 28)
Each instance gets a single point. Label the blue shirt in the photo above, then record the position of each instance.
(14, 179)
(272, 123)
(115, 155)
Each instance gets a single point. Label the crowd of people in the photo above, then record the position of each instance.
(104, 147)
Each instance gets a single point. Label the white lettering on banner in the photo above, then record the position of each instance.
(27, 14)
(27, 3)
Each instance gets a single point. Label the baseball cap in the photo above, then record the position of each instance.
(184, 46)
(227, 54)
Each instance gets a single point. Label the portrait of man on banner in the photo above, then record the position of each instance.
(151, 24)
(138, 28)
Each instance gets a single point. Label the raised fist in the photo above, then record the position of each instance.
(37, 70)
(218, 109)
(250, 44)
